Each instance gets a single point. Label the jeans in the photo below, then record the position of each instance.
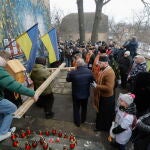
(68, 62)
(7, 108)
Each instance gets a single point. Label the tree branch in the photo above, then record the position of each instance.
(105, 2)
(146, 4)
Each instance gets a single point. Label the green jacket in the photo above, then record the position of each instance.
(38, 75)
(8, 82)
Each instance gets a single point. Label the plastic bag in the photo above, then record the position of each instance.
(111, 135)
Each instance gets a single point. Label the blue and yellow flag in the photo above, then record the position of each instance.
(50, 42)
(28, 43)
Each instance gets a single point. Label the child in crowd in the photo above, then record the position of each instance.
(125, 119)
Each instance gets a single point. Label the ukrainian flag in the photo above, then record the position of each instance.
(28, 42)
(50, 42)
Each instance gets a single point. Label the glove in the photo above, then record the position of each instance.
(94, 84)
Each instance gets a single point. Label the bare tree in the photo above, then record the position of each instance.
(146, 3)
(81, 20)
(97, 19)
(56, 18)
(119, 32)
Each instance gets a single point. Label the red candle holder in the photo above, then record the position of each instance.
(34, 143)
(58, 139)
(65, 135)
(54, 131)
(51, 140)
(42, 140)
(13, 136)
(23, 134)
(45, 146)
(72, 144)
(47, 133)
(71, 137)
(60, 133)
(28, 131)
(15, 143)
(40, 132)
(27, 146)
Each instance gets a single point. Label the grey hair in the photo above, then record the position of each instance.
(140, 58)
(80, 62)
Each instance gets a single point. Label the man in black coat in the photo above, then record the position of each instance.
(81, 78)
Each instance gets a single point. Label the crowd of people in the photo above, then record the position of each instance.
(97, 68)
(108, 64)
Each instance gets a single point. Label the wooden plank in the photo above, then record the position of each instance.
(66, 68)
(28, 103)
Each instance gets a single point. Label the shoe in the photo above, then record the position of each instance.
(83, 121)
(49, 115)
(78, 125)
(96, 130)
(5, 136)
(12, 130)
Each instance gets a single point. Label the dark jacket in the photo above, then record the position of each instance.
(125, 64)
(91, 61)
(132, 46)
(142, 138)
(142, 90)
(144, 123)
(8, 82)
(81, 79)
(141, 67)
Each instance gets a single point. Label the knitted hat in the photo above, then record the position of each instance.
(40, 60)
(128, 98)
(127, 53)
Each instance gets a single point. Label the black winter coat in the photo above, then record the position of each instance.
(142, 139)
(125, 64)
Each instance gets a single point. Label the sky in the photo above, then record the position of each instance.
(120, 10)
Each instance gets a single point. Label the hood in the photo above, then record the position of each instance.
(37, 67)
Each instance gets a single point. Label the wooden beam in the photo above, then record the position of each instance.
(66, 68)
(28, 103)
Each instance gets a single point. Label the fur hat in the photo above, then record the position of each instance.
(128, 98)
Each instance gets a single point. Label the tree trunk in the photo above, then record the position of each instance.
(97, 19)
(81, 20)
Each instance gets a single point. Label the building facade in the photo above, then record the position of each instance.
(70, 28)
